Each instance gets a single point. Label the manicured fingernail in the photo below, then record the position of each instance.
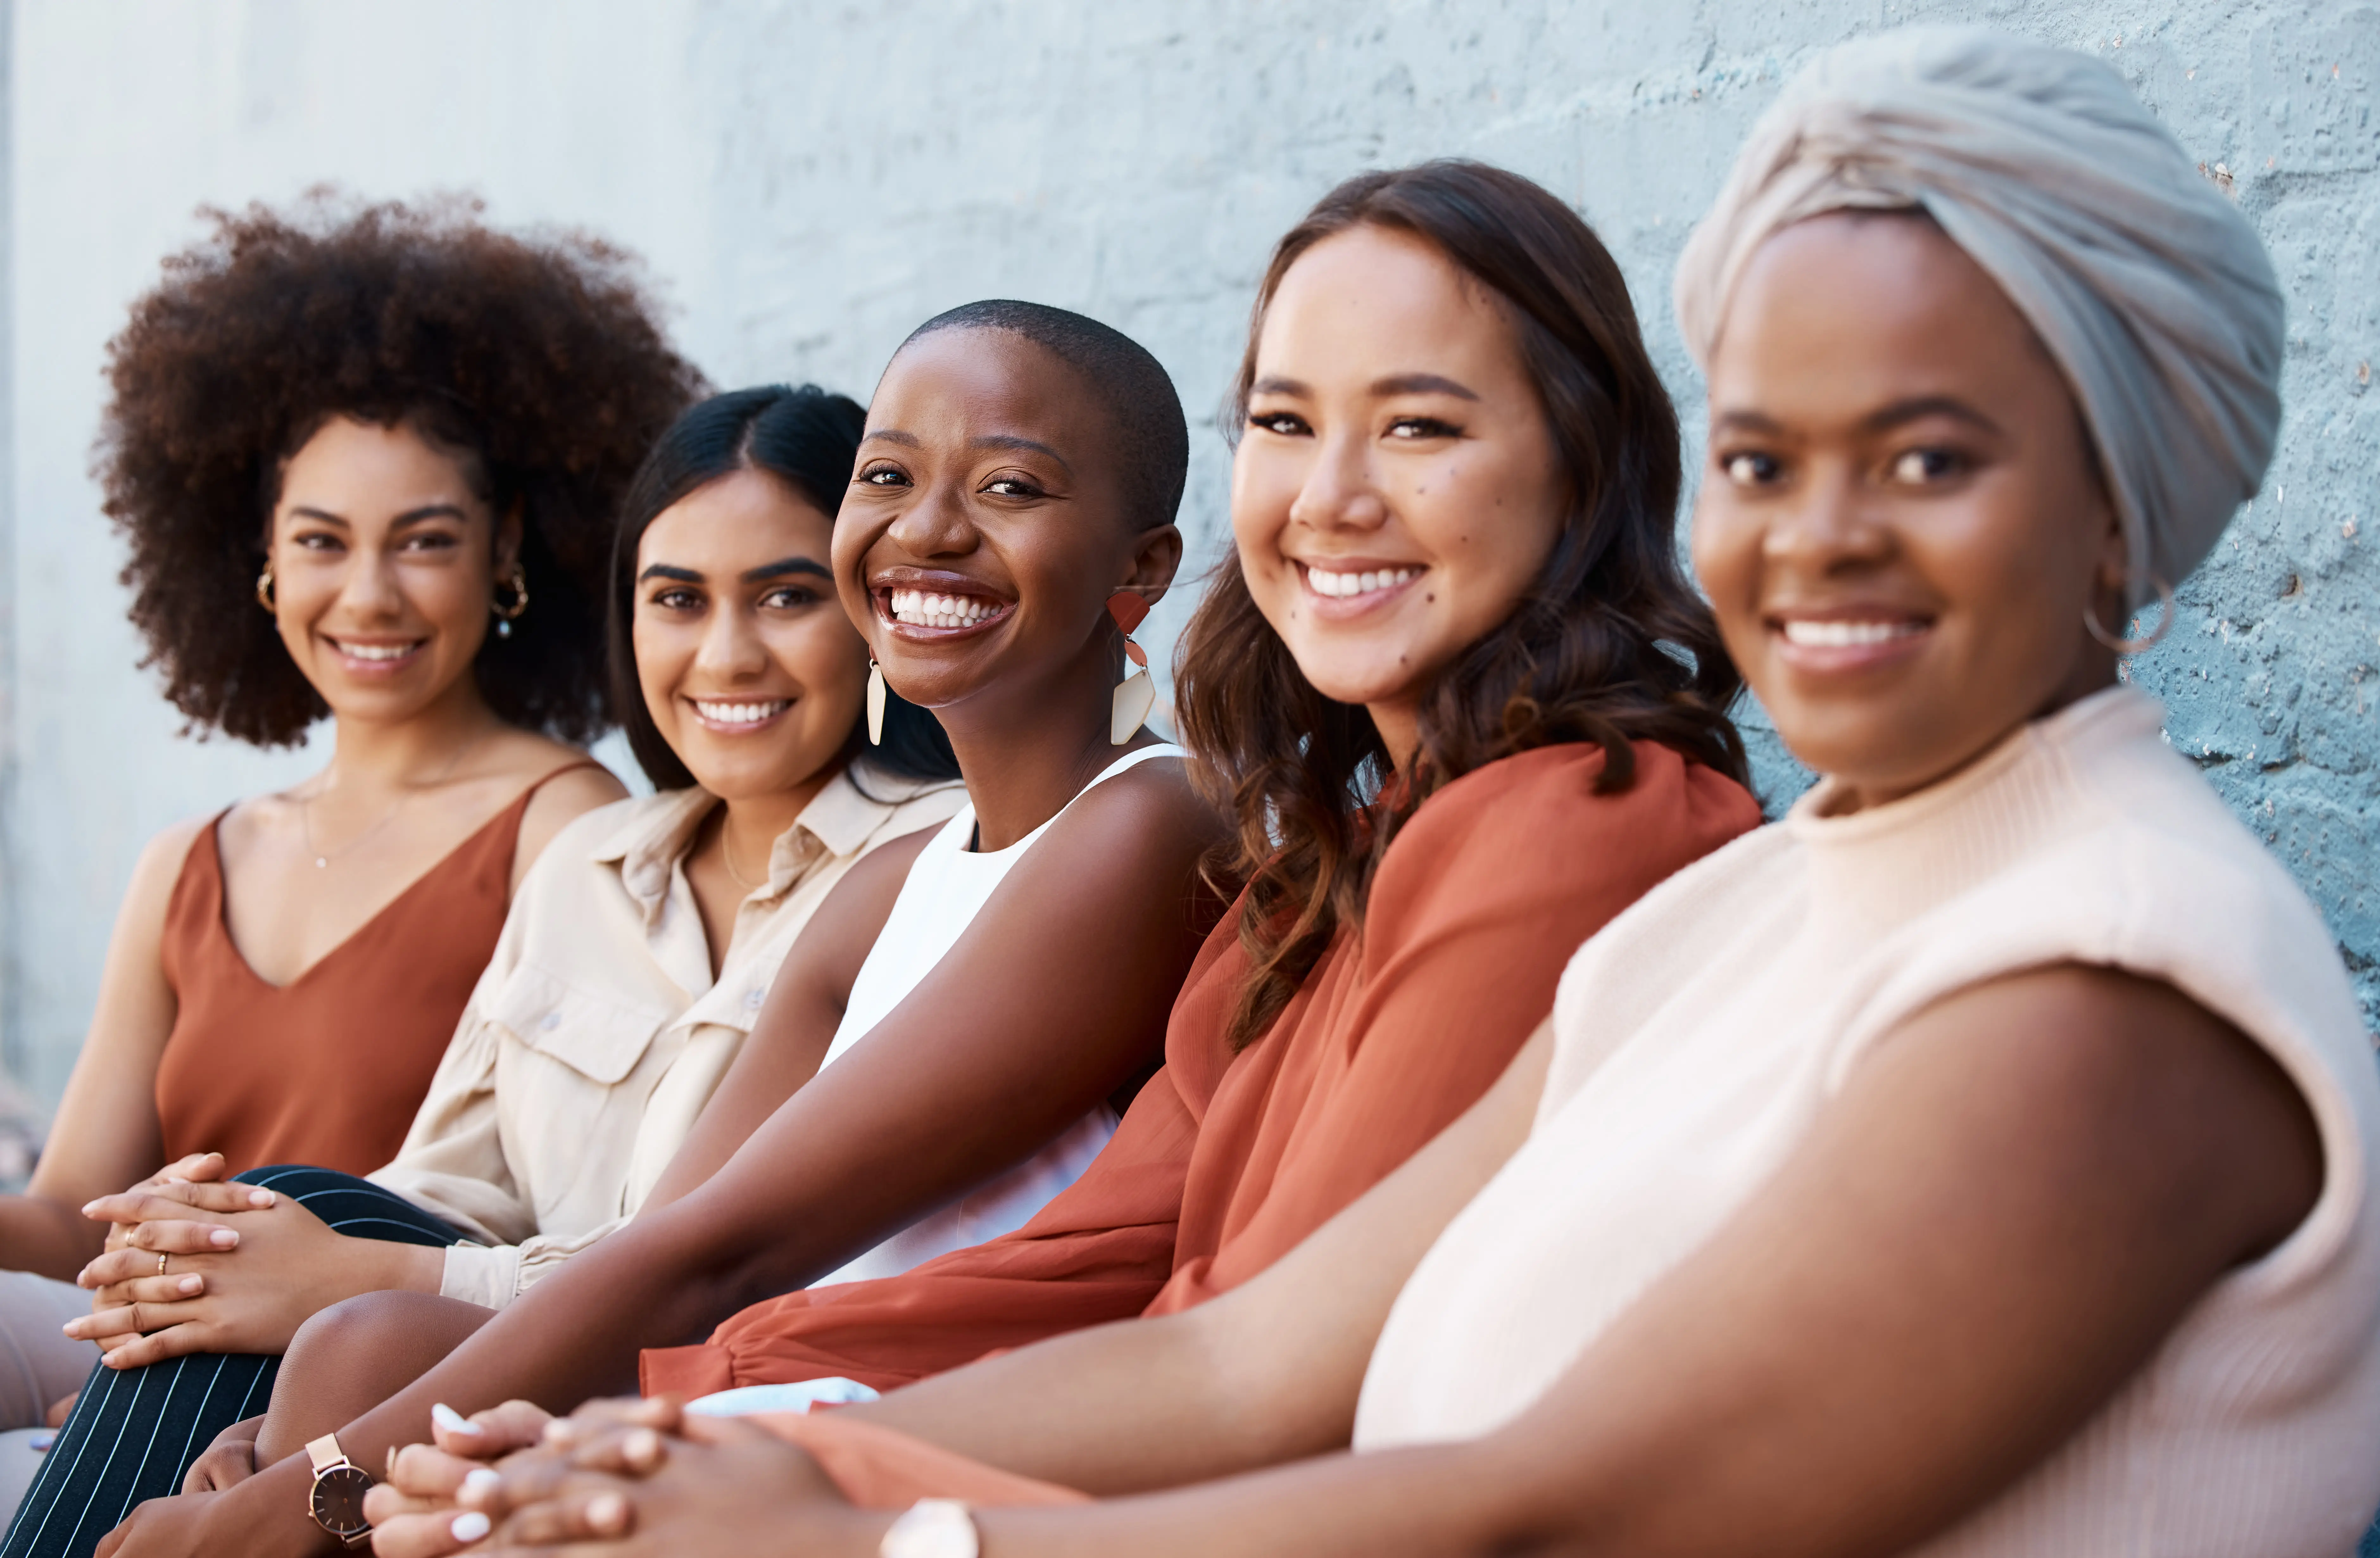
(607, 1512)
(445, 1417)
(469, 1527)
(260, 1197)
(86, 1206)
(482, 1481)
(642, 1447)
(190, 1284)
(222, 1238)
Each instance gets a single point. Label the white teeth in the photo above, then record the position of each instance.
(376, 651)
(1343, 585)
(941, 611)
(741, 714)
(1847, 635)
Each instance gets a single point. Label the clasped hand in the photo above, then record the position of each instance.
(644, 1479)
(244, 1268)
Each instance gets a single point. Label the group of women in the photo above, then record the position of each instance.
(1424, 1111)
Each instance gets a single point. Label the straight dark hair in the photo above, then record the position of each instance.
(808, 439)
(1611, 644)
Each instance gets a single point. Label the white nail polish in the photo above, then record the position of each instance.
(469, 1527)
(481, 1480)
(445, 1417)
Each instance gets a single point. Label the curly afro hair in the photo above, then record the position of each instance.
(537, 357)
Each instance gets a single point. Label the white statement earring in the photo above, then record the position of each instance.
(875, 702)
(2134, 646)
(1136, 694)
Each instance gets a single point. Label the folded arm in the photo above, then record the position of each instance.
(967, 1077)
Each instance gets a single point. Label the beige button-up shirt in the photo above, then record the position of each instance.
(598, 1034)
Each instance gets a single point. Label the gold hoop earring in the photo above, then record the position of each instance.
(264, 588)
(506, 615)
(2134, 646)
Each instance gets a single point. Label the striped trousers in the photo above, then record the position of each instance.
(135, 1432)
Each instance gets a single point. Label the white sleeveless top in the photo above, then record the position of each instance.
(1701, 1034)
(946, 889)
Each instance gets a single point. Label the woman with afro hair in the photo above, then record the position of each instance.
(368, 460)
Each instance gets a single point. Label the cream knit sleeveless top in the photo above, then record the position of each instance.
(1699, 1036)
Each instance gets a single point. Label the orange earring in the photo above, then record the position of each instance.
(1136, 694)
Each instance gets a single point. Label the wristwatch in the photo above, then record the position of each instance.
(337, 1502)
(933, 1528)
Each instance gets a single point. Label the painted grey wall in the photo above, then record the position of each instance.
(810, 180)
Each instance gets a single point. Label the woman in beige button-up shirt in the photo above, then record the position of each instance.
(602, 1029)
(639, 948)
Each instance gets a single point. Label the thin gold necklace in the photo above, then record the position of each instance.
(727, 858)
(305, 809)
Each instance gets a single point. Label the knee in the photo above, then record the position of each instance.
(374, 1324)
(348, 1358)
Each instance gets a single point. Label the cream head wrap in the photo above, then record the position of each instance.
(2147, 286)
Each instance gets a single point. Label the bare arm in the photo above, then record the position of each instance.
(106, 1135)
(2002, 1217)
(973, 1073)
(1266, 1372)
(1999, 1219)
(806, 999)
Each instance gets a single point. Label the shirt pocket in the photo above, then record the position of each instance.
(599, 1034)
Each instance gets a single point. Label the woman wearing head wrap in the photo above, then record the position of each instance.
(1978, 1162)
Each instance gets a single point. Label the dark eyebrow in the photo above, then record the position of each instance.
(784, 565)
(1421, 383)
(1917, 408)
(663, 570)
(892, 435)
(410, 516)
(1747, 421)
(1275, 385)
(1010, 441)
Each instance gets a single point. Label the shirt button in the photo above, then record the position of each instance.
(755, 999)
(551, 1021)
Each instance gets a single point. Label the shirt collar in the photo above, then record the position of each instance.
(839, 820)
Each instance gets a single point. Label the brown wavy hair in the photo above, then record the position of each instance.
(1611, 644)
(539, 358)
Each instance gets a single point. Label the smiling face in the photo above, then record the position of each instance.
(749, 668)
(1398, 488)
(1900, 525)
(985, 525)
(384, 559)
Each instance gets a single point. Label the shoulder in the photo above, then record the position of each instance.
(1151, 806)
(169, 848)
(1542, 812)
(568, 858)
(560, 799)
(877, 876)
(160, 866)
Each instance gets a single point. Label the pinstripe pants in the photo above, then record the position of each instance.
(135, 1432)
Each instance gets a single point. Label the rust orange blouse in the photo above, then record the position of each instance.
(1224, 1162)
(328, 1069)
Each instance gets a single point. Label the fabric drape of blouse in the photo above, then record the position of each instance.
(1224, 1162)
(597, 1033)
(327, 1068)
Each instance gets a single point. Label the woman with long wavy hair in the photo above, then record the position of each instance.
(1464, 709)
(1978, 1162)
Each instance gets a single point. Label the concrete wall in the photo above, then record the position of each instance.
(809, 181)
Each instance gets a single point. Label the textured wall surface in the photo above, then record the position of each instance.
(810, 180)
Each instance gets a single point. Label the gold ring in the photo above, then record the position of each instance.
(161, 1265)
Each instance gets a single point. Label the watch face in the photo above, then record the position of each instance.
(339, 1500)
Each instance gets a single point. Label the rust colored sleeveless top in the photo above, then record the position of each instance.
(328, 1069)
